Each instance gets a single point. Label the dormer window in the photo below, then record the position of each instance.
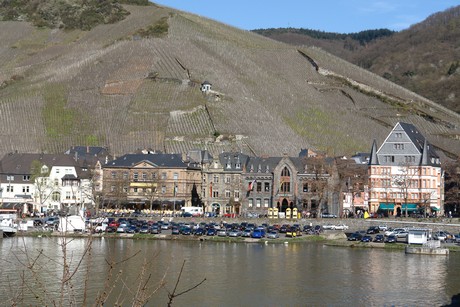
(238, 165)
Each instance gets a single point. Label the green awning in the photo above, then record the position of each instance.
(410, 207)
(385, 206)
(434, 208)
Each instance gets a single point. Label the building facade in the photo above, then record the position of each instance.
(44, 182)
(154, 181)
(405, 174)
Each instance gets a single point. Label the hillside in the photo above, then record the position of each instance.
(135, 84)
(423, 58)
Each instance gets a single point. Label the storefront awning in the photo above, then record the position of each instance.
(385, 206)
(434, 208)
(410, 207)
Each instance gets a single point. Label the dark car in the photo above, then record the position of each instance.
(379, 238)
(355, 237)
(211, 232)
(155, 229)
(373, 229)
(199, 231)
(366, 239)
(175, 230)
(184, 230)
(391, 239)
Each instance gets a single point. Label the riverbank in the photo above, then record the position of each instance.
(333, 239)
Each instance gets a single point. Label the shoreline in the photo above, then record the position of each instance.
(328, 239)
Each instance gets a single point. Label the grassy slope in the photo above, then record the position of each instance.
(90, 88)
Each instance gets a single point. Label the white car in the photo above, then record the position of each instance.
(383, 227)
(341, 227)
(329, 227)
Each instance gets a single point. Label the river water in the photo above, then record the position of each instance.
(294, 274)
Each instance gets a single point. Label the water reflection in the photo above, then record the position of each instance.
(237, 274)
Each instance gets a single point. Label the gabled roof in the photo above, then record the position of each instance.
(159, 160)
(20, 163)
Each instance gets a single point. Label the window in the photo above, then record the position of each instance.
(56, 182)
(135, 176)
(9, 188)
(266, 202)
(163, 175)
(250, 202)
(144, 176)
(176, 176)
(258, 201)
(26, 178)
(285, 172)
(56, 196)
(25, 189)
(236, 193)
(125, 175)
(215, 194)
(154, 176)
(113, 174)
(227, 179)
(285, 187)
(259, 186)
(305, 187)
(227, 193)
(57, 170)
(10, 178)
(67, 195)
(112, 188)
(135, 190)
(125, 189)
(267, 187)
(163, 189)
(216, 179)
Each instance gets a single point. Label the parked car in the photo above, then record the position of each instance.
(329, 226)
(341, 227)
(257, 233)
(234, 233)
(328, 215)
(366, 238)
(379, 238)
(373, 230)
(199, 231)
(293, 232)
(175, 230)
(383, 227)
(391, 239)
(211, 232)
(246, 233)
(355, 237)
(273, 235)
(222, 233)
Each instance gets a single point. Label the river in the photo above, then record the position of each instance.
(294, 274)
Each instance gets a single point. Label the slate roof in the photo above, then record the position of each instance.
(262, 165)
(21, 163)
(159, 160)
(230, 161)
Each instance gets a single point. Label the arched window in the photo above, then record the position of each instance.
(56, 196)
(285, 172)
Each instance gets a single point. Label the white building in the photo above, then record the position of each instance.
(43, 182)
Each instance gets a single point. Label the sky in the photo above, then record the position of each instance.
(339, 16)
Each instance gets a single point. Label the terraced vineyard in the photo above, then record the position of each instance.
(112, 87)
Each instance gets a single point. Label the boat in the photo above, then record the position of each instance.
(429, 248)
(8, 224)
